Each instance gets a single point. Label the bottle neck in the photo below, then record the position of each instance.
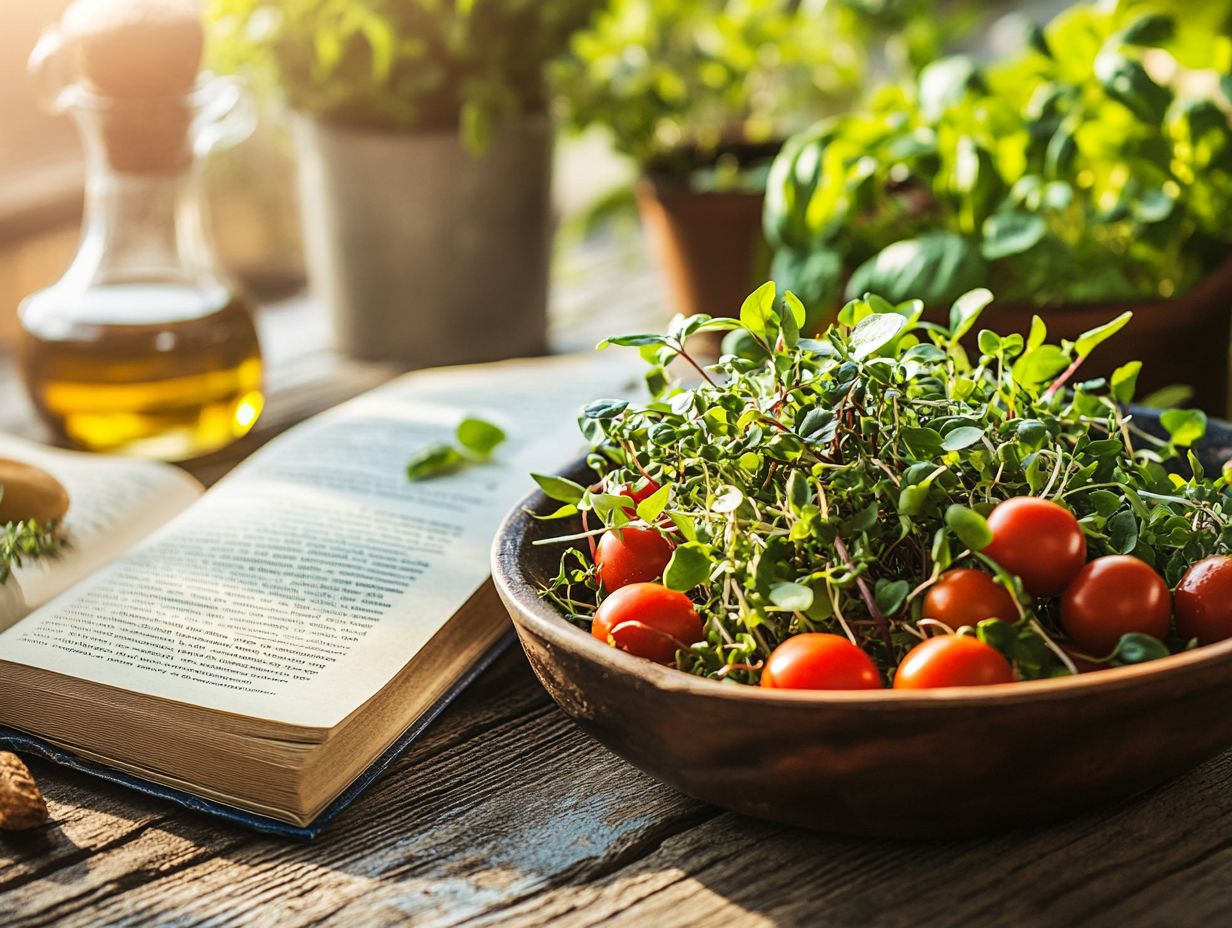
(139, 226)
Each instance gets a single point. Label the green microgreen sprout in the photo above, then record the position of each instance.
(825, 483)
(475, 440)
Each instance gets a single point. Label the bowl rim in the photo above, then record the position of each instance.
(511, 582)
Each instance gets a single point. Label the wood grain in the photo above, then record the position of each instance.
(506, 814)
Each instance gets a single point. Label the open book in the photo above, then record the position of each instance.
(261, 645)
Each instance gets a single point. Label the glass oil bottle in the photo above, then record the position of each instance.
(141, 347)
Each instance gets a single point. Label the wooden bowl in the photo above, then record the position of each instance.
(889, 763)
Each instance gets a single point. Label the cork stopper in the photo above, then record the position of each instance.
(140, 58)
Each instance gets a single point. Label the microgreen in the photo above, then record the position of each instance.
(475, 440)
(824, 485)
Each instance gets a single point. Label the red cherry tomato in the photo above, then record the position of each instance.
(1112, 596)
(814, 661)
(952, 660)
(649, 620)
(1039, 541)
(637, 492)
(634, 554)
(1203, 601)
(967, 597)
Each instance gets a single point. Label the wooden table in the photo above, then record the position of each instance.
(504, 813)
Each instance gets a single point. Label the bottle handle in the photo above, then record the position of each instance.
(226, 117)
(49, 65)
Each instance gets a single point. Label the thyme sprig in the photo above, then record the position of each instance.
(23, 542)
(823, 484)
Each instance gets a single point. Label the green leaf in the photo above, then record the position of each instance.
(649, 509)
(1185, 427)
(1010, 232)
(923, 442)
(968, 526)
(795, 308)
(757, 312)
(872, 333)
(1031, 432)
(633, 341)
(479, 437)
(1137, 648)
(935, 268)
(1037, 40)
(962, 437)
(863, 520)
(966, 310)
(605, 409)
(728, 500)
(998, 634)
(1153, 29)
(1123, 532)
(911, 499)
(561, 489)
(1037, 333)
(890, 595)
(1125, 381)
(1040, 364)
(793, 596)
(1088, 341)
(989, 342)
(1059, 156)
(689, 566)
(433, 462)
(819, 425)
(1128, 82)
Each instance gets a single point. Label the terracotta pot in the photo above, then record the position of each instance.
(1184, 340)
(893, 763)
(706, 244)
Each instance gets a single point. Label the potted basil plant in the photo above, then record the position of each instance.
(1089, 174)
(425, 152)
(700, 94)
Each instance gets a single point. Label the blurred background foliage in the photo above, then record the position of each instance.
(1093, 165)
(399, 64)
(1088, 160)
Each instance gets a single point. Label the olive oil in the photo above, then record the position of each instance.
(141, 347)
(156, 370)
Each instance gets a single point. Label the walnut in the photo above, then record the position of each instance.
(21, 804)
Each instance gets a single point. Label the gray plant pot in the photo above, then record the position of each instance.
(425, 253)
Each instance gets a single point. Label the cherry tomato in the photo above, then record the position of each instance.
(1112, 596)
(635, 554)
(637, 492)
(1203, 601)
(967, 597)
(649, 620)
(952, 660)
(1039, 541)
(815, 661)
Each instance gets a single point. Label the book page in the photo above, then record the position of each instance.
(298, 586)
(113, 504)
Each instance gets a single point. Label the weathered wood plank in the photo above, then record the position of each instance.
(506, 798)
(505, 814)
(1164, 860)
